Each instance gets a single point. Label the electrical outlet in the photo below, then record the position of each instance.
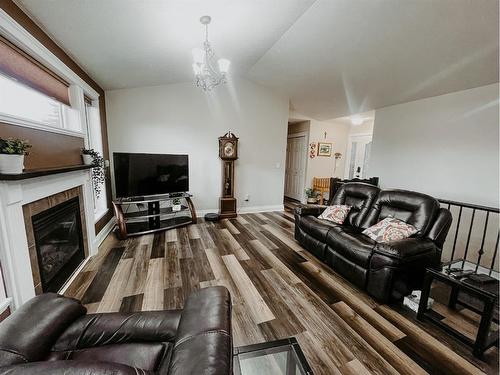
(247, 198)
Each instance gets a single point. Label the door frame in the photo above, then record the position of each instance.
(305, 154)
(349, 148)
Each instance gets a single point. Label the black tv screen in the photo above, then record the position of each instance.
(150, 174)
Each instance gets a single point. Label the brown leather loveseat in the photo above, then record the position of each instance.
(386, 270)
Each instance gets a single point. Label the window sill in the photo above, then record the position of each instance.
(38, 125)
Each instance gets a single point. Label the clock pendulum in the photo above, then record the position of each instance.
(228, 152)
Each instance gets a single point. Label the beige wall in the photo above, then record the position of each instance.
(323, 166)
(182, 119)
(445, 146)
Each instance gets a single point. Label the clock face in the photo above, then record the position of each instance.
(229, 149)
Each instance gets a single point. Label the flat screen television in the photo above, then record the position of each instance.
(150, 174)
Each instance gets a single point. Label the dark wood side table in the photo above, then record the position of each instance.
(486, 296)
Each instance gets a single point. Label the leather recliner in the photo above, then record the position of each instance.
(389, 270)
(52, 334)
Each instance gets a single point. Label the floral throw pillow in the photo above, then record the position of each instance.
(336, 213)
(390, 229)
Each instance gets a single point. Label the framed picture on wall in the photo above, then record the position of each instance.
(324, 149)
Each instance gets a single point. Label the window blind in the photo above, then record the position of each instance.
(19, 65)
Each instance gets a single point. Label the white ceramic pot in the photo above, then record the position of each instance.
(87, 159)
(312, 200)
(11, 163)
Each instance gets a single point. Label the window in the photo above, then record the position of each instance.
(95, 142)
(24, 103)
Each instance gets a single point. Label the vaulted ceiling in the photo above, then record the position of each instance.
(330, 57)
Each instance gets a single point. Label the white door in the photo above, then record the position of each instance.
(296, 157)
(358, 156)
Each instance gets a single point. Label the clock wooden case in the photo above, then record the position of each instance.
(228, 152)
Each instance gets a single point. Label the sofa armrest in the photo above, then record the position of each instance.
(441, 226)
(407, 248)
(69, 368)
(115, 328)
(28, 334)
(305, 210)
(204, 340)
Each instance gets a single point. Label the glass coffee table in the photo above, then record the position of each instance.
(474, 288)
(281, 357)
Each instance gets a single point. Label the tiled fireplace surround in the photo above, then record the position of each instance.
(19, 201)
(41, 205)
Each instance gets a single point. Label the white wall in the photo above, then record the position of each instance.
(445, 146)
(182, 119)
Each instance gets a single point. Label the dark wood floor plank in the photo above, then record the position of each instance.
(159, 245)
(100, 283)
(173, 299)
(132, 303)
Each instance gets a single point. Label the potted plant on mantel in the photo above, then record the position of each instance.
(312, 196)
(92, 157)
(12, 152)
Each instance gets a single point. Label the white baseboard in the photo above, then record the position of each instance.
(104, 232)
(254, 209)
(245, 210)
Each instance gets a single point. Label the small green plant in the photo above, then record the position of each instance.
(176, 201)
(311, 193)
(11, 146)
(98, 173)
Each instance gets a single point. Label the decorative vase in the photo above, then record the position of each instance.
(11, 164)
(87, 159)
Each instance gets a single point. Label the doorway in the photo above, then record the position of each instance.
(358, 156)
(295, 170)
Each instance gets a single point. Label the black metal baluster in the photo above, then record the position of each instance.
(456, 236)
(468, 236)
(481, 250)
(494, 254)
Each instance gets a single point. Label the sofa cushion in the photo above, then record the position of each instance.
(336, 213)
(390, 229)
(416, 209)
(317, 228)
(359, 196)
(145, 356)
(353, 246)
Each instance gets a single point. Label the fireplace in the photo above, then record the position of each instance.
(59, 246)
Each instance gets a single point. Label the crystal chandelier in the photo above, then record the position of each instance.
(207, 73)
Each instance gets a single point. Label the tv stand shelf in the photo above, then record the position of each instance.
(154, 218)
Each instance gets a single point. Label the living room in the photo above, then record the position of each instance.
(154, 162)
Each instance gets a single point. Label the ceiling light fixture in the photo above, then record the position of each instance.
(357, 120)
(207, 74)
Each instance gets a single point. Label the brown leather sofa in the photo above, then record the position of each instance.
(389, 270)
(52, 334)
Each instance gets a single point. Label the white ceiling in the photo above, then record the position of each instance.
(130, 43)
(331, 57)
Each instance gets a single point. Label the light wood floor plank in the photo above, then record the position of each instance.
(154, 293)
(256, 305)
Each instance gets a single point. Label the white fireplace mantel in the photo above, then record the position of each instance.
(14, 254)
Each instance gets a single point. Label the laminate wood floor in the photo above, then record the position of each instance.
(278, 290)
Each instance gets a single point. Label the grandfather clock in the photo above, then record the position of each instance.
(228, 152)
